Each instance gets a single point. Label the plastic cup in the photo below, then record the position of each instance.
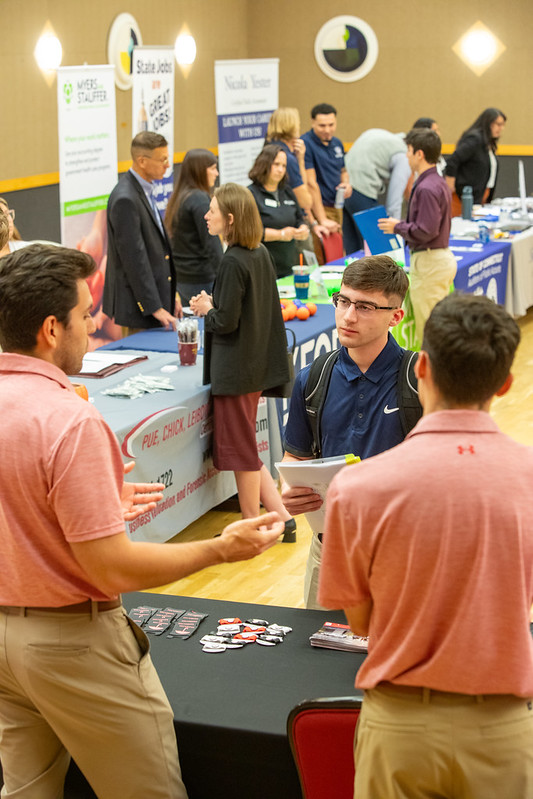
(188, 351)
(301, 282)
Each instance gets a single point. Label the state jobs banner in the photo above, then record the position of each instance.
(152, 105)
(88, 172)
(246, 93)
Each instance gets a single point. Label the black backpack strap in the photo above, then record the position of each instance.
(316, 389)
(407, 390)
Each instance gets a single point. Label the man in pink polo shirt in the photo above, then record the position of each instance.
(76, 677)
(428, 547)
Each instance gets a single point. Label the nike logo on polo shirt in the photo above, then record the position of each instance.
(386, 409)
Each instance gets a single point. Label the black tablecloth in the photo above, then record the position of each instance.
(230, 709)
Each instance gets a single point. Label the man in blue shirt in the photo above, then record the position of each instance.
(361, 410)
(324, 166)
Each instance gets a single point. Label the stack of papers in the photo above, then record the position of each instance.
(316, 474)
(338, 636)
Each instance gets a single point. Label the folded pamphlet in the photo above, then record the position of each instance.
(338, 636)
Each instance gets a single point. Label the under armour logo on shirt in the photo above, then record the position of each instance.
(461, 450)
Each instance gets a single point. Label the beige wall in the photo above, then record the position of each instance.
(30, 106)
(416, 73)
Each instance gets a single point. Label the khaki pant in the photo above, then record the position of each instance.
(431, 274)
(72, 686)
(424, 745)
(312, 572)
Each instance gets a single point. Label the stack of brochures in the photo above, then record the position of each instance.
(338, 636)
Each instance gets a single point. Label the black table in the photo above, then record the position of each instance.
(230, 709)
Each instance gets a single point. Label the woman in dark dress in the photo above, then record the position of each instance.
(474, 161)
(282, 217)
(245, 347)
(195, 253)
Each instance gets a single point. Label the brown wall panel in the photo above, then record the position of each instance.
(220, 29)
(416, 73)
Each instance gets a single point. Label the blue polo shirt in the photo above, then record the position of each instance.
(328, 162)
(360, 414)
(294, 178)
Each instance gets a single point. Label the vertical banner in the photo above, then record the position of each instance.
(246, 95)
(152, 105)
(88, 171)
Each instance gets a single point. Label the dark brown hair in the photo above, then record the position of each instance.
(377, 273)
(426, 140)
(471, 343)
(260, 172)
(482, 126)
(192, 176)
(35, 282)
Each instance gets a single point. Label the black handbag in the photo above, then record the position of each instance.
(285, 390)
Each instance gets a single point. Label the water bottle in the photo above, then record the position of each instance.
(467, 202)
(484, 234)
(339, 198)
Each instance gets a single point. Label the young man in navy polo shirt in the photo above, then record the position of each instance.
(324, 166)
(361, 410)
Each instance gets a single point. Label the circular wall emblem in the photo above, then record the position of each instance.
(124, 35)
(346, 48)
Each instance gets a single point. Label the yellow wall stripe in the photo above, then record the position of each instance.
(52, 178)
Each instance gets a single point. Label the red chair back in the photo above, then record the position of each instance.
(321, 735)
(333, 247)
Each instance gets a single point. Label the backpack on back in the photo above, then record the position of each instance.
(316, 389)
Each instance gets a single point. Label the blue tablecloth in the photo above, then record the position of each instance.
(479, 266)
(166, 340)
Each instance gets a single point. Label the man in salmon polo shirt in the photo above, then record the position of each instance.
(75, 674)
(428, 547)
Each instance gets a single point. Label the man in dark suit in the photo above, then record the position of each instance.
(139, 289)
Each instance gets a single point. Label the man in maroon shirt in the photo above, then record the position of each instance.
(427, 227)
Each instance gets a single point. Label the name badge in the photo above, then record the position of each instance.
(271, 203)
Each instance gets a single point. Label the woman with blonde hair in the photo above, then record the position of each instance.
(284, 130)
(245, 348)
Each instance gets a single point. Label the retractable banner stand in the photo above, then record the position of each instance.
(88, 171)
(152, 70)
(246, 95)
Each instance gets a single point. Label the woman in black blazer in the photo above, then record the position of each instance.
(474, 161)
(245, 347)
